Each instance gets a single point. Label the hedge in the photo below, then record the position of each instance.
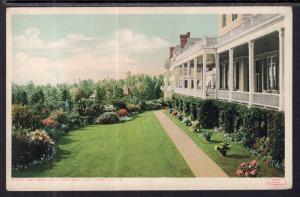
(238, 119)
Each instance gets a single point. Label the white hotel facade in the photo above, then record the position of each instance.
(244, 64)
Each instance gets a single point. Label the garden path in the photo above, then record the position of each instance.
(198, 161)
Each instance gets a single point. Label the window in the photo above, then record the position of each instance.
(223, 20)
(234, 17)
(198, 68)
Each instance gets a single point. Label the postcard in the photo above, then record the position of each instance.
(149, 98)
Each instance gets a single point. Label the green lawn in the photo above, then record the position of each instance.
(236, 155)
(137, 148)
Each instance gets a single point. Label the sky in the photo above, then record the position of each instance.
(52, 49)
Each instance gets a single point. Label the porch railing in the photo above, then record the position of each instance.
(248, 23)
(223, 94)
(259, 99)
(240, 96)
(266, 99)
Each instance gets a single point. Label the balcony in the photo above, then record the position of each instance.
(259, 99)
(249, 23)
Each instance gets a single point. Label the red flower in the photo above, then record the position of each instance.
(49, 122)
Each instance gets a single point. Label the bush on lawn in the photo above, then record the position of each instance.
(42, 145)
(133, 108)
(21, 149)
(118, 104)
(59, 116)
(31, 147)
(248, 169)
(122, 112)
(108, 118)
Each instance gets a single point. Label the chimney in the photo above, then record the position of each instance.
(183, 40)
(188, 34)
(171, 52)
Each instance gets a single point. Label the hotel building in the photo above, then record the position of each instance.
(244, 64)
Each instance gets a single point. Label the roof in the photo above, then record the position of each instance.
(190, 42)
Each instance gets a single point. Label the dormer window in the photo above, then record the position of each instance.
(223, 20)
(234, 17)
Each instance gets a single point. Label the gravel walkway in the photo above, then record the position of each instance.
(198, 161)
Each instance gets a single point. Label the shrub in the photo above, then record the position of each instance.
(108, 118)
(133, 108)
(196, 126)
(179, 116)
(21, 150)
(174, 112)
(31, 147)
(223, 148)
(151, 105)
(49, 122)
(23, 116)
(109, 108)
(248, 169)
(276, 127)
(74, 120)
(186, 121)
(59, 116)
(206, 135)
(122, 112)
(42, 145)
(118, 104)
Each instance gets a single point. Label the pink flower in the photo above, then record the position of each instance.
(253, 172)
(242, 164)
(246, 173)
(254, 162)
(239, 172)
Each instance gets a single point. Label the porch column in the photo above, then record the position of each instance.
(182, 75)
(281, 69)
(217, 62)
(204, 76)
(195, 74)
(230, 77)
(189, 75)
(251, 70)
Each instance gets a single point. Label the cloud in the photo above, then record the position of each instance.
(126, 40)
(32, 40)
(84, 57)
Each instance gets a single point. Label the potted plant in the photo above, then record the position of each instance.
(223, 148)
(206, 135)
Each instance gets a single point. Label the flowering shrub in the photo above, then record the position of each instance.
(31, 147)
(42, 145)
(108, 108)
(49, 122)
(174, 112)
(223, 148)
(248, 169)
(133, 108)
(59, 116)
(206, 135)
(196, 127)
(186, 121)
(122, 112)
(108, 118)
(179, 116)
